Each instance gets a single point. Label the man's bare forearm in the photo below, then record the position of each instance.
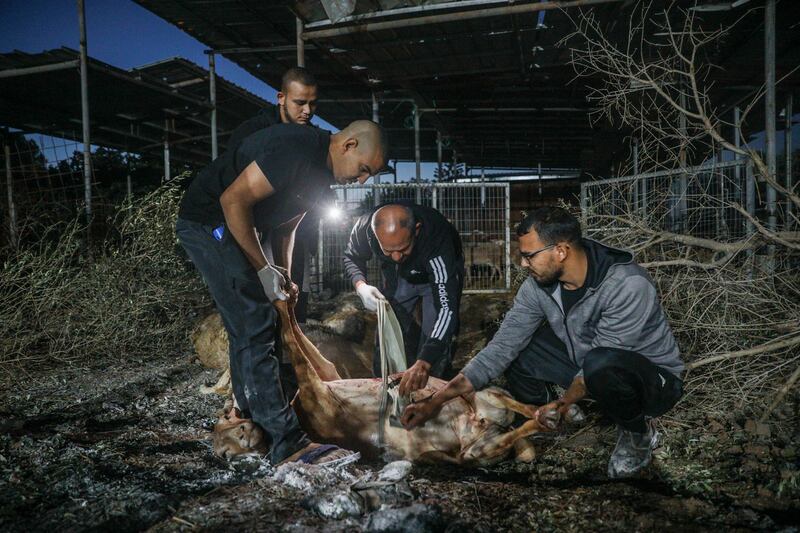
(239, 219)
(575, 392)
(458, 386)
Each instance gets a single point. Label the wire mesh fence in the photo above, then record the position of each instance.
(479, 211)
(696, 201)
(42, 179)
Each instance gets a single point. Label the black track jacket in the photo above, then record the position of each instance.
(437, 258)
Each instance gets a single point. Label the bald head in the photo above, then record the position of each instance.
(371, 136)
(395, 228)
(390, 219)
(358, 151)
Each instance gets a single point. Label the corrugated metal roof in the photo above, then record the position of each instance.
(128, 109)
(509, 87)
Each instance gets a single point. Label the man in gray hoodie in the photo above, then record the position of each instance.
(588, 318)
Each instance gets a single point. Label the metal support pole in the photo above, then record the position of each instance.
(584, 205)
(737, 141)
(212, 87)
(508, 234)
(539, 179)
(769, 98)
(750, 195)
(439, 153)
(644, 186)
(128, 182)
(417, 154)
(301, 44)
(636, 174)
(320, 257)
(682, 183)
(166, 151)
(87, 143)
(12, 210)
(376, 118)
(787, 150)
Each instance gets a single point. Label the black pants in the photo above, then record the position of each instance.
(403, 302)
(625, 384)
(252, 323)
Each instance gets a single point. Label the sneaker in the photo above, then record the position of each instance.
(633, 452)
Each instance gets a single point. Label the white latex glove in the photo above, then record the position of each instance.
(369, 296)
(273, 281)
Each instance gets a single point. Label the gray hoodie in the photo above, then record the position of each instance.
(620, 309)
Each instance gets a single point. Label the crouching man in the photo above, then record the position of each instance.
(588, 318)
(421, 261)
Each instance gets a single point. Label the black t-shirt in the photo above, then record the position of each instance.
(569, 298)
(268, 116)
(292, 157)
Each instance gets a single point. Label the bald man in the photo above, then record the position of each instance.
(266, 185)
(421, 261)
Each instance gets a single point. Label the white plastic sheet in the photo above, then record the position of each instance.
(393, 360)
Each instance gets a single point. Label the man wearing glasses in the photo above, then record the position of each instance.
(421, 261)
(588, 318)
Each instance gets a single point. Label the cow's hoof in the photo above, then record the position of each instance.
(524, 452)
(552, 419)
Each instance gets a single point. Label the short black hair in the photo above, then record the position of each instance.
(552, 225)
(301, 75)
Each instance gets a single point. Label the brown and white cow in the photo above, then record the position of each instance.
(469, 430)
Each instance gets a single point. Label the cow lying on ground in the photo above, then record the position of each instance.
(470, 429)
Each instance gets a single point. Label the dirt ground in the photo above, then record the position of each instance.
(123, 447)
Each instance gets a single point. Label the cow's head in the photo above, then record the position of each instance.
(235, 437)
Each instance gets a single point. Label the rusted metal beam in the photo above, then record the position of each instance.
(15, 72)
(449, 17)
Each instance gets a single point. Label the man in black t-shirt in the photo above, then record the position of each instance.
(266, 185)
(421, 262)
(297, 102)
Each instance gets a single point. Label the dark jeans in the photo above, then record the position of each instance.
(403, 302)
(626, 385)
(251, 322)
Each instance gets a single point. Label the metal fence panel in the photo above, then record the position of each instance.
(696, 201)
(479, 211)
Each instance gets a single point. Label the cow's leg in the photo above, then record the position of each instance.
(325, 369)
(435, 457)
(495, 447)
(524, 452)
(503, 399)
(308, 378)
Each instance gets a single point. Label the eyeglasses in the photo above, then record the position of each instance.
(528, 256)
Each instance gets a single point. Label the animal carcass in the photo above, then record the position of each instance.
(472, 429)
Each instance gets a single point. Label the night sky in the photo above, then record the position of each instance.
(119, 32)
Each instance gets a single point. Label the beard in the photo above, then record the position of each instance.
(547, 279)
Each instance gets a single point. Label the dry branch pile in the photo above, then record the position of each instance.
(132, 297)
(728, 275)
